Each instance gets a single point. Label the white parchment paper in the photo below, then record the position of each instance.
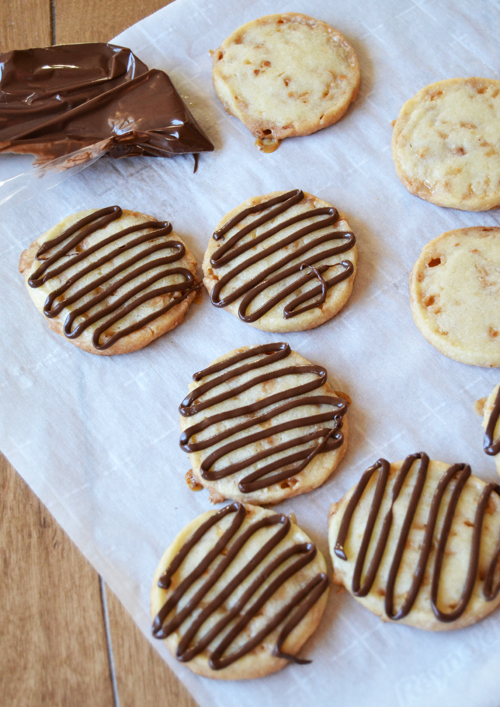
(97, 437)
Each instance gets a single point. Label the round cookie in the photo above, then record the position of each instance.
(446, 144)
(261, 424)
(281, 262)
(110, 280)
(285, 75)
(238, 593)
(491, 424)
(419, 542)
(455, 295)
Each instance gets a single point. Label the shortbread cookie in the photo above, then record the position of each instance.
(285, 75)
(110, 280)
(446, 144)
(261, 424)
(285, 261)
(491, 424)
(455, 295)
(419, 542)
(238, 593)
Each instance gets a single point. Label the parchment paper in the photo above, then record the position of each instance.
(97, 437)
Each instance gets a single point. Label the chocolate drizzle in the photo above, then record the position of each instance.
(277, 272)
(459, 474)
(226, 549)
(330, 438)
(491, 445)
(107, 285)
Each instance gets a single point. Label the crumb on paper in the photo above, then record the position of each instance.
(479, 406)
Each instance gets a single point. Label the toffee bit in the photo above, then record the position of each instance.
(191, 481)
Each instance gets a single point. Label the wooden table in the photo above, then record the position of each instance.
(65, 639)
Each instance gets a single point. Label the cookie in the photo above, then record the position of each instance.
(238, 593)
(110, 280)
(285, 75)
(446, 144)
(491, 424)
(418, 542)
(455, 295)
(281, 262)
(261, 424)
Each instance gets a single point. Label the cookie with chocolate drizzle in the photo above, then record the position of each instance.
(418, 541)
(491, 423)
(110, 280)
(281, 262)
(238, 593)
(262, 424)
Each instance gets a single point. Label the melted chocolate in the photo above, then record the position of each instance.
(329, 438)
(59, 99)
(107, 285)
(457, 474)
(274, 273)
(491, 445)
(227, 549)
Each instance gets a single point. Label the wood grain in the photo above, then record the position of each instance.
(53, 641)
(98, 20)
(143, 679)
(24, 24)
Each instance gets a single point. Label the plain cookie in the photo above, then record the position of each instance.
(109, 280)
(446, 144)
(238, 593)
(455, 295)
(261, 424)
(285, 75)
(281, 262)
(419, 542)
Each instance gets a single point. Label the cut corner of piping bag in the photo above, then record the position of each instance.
(28, 184)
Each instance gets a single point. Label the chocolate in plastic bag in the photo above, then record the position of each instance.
(57, 100)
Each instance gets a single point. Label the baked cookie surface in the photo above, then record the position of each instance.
(261, 424)
(419, 542)
(455, 295)
(285, 75)
(110, 280)
(285, 261)
(491, 424)
(238, 593)
(446, 144)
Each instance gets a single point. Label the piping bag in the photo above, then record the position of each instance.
(71, 104)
